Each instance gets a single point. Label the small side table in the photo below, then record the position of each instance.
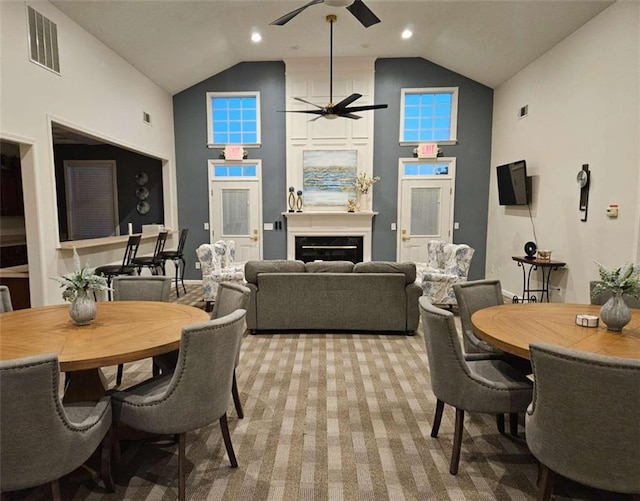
(547, 267)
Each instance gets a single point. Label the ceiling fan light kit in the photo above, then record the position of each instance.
(332, 111)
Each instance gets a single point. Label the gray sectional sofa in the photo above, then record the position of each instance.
(332, 296)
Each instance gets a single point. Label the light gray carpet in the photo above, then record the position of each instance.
(329, 417)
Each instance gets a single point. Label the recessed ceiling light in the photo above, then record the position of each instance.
(256, 37)
(407, 34)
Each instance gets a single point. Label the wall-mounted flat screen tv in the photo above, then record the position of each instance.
(514, 187)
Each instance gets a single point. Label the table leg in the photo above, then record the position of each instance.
(85, 386)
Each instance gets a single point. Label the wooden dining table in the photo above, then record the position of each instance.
(513, 327)
(123, 331)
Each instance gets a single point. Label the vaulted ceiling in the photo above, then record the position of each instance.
(178, 43)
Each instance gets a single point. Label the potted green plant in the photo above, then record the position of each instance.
(618, 281)
(77, 286)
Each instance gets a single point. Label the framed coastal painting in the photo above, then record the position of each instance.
(329, 177)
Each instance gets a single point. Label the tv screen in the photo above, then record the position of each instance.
(513, 188)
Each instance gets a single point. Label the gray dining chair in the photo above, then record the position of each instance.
(231, 297)
(43, 439)
(584, 421)
(5, 299)
(140, 288)
(487, 386)
(194, 395)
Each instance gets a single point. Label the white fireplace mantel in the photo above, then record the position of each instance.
(329, 223)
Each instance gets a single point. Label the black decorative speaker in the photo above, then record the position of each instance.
(530, 249)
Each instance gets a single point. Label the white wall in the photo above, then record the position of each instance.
(584, 102)
(97, 92)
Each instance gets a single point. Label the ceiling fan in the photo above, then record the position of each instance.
(342, 108)
(357, 7)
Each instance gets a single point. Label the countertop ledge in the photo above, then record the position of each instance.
(104, 241)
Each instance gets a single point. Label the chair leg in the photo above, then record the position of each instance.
(457, 442)
(181, 466)
(513, 424)
(546, 478)
(107, 458)
(184, 265)
(55, 490)
(176, 263)
(437, 419)
(119, 375)
(500, 423)
(236, 396)
(224, 427)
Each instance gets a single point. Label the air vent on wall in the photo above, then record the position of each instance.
(43, 41)
(146, 117)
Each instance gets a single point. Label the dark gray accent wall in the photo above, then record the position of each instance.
(192, 153)
(472, 153)
(128, 164)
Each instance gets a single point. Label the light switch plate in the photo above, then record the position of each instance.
(206, 226)
(267, 226)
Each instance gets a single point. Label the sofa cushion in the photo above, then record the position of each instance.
(253, 268)
(329, 267)
(408, 269)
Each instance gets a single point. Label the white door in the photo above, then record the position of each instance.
(235, 210)
(425, 211)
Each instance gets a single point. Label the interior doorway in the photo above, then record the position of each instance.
(14, 263)
(425, 209)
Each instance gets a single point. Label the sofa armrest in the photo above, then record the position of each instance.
(413, 292)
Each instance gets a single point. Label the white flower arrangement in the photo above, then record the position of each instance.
(82, 278)
(623, 280)
(364, 182)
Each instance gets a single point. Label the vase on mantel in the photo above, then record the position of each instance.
(615, 313)
(83, 308)
(363, 202)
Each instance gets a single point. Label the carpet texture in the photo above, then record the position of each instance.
(328, 417)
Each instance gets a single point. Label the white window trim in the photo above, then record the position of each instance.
(432, 90)
(449, 161)
(255, 94)
(256, 162)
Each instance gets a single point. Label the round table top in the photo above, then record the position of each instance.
(512, 327)
(122, 331)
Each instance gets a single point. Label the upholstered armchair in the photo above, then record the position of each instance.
(218, 264)
(447, 264)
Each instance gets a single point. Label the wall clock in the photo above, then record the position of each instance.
(583, 179)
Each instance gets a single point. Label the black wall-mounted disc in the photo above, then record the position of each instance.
(530, 249)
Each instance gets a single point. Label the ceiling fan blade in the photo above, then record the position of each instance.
(347, 101)
(313, 112)
(350, 115)
(363, 13)
(365, 108)
(308, 102)
(288, 17)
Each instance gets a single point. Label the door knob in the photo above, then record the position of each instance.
(404, 235)
(254, 237)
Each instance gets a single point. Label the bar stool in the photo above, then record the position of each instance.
(177, 256)
(152, 262)
(126, 268)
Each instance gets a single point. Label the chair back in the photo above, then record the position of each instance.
(199, 389)
(231, 297)
(447, 367)
(131, 250)
(142, 288)
(182, 241)
(162, 239)
(471, 297)
(5, 299)
(37, 437)
(584, 420)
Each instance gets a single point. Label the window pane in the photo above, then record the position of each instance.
(233, 120)
(249, 171)
(410, 169)
(427, 116)
(235, 212)
(425, 206)
(220, 171)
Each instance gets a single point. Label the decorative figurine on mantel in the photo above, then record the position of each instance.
(351, 205)
(291, 200)
(364, 184)
(299, 201)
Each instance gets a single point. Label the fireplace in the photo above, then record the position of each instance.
(329, 248)
(342, 225)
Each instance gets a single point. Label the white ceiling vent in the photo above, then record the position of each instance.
(43, 41)
(146, 117)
